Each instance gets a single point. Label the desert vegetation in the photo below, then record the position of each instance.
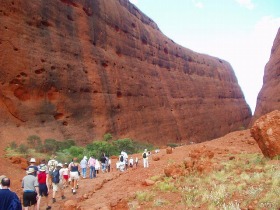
(239, 182)
(67, 149)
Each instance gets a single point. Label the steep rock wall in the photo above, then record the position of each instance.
(269, 96)
(80, 69)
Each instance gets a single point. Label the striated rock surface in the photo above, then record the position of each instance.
(269, 96)
(80, 69)
(266, 132)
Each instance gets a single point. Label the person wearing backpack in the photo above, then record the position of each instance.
(52, 163)
(57, 182)
(145, 155)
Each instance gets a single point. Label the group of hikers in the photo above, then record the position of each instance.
(52, 175)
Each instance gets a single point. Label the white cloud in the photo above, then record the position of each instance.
(246, 3)
(198, 4)
(134, 1)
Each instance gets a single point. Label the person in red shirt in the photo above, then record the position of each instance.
(43, 178)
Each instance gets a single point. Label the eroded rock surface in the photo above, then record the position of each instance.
(266, 132)
(80, 69)
(269, 96)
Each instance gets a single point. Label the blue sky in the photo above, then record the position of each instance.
(239, 31)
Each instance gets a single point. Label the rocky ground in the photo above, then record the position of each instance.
(113, 190)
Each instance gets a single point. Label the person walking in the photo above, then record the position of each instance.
(8, 199)
(109, 164)
(43, 178)
(83, 164)
(136, 162)
(74, 168)
(91, 165)
(65, 174)
(30, 189)
(57, 182)
(131, 162)
(145, 155)
(52, 163)
(103, 162)
(32, 165)
(97, 166)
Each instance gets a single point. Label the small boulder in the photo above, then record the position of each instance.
(148, 182)
(169, 150)
(156, 158)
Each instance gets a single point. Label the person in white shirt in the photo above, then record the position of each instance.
(145, 155)
(131, 162)
(65, 175)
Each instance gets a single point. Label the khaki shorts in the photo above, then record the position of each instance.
(74, 175)
(57, 186)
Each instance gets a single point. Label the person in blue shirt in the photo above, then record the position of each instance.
(9, 200)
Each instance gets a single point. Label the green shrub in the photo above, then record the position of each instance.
(173, 145)
(34, 141)
(107, 137)
(23, 149)
(13, 145)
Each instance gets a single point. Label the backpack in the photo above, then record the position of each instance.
(121, 158)
(55, 176)
(144, 155)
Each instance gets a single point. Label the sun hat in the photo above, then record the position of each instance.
(32, 160)
(85, 157)
(59, 165)
(30, 170)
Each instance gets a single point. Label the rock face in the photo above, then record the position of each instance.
(269, 96)
(266, 132)
(80, 69)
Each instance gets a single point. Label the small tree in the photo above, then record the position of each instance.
(23, 149)
(51, 145)
(125, 145)
(34, 141)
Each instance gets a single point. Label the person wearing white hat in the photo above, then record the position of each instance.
(32, 165)
(30, 188)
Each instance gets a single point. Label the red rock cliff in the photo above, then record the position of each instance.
(79, 69)
(269, 96)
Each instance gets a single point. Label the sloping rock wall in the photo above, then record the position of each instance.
(269, 96)
(80, 69)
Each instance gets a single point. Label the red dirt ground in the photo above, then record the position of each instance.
(112, 190)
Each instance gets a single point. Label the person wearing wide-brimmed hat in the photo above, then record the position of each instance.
(32, 165)
(43, 186)
(30, 188)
